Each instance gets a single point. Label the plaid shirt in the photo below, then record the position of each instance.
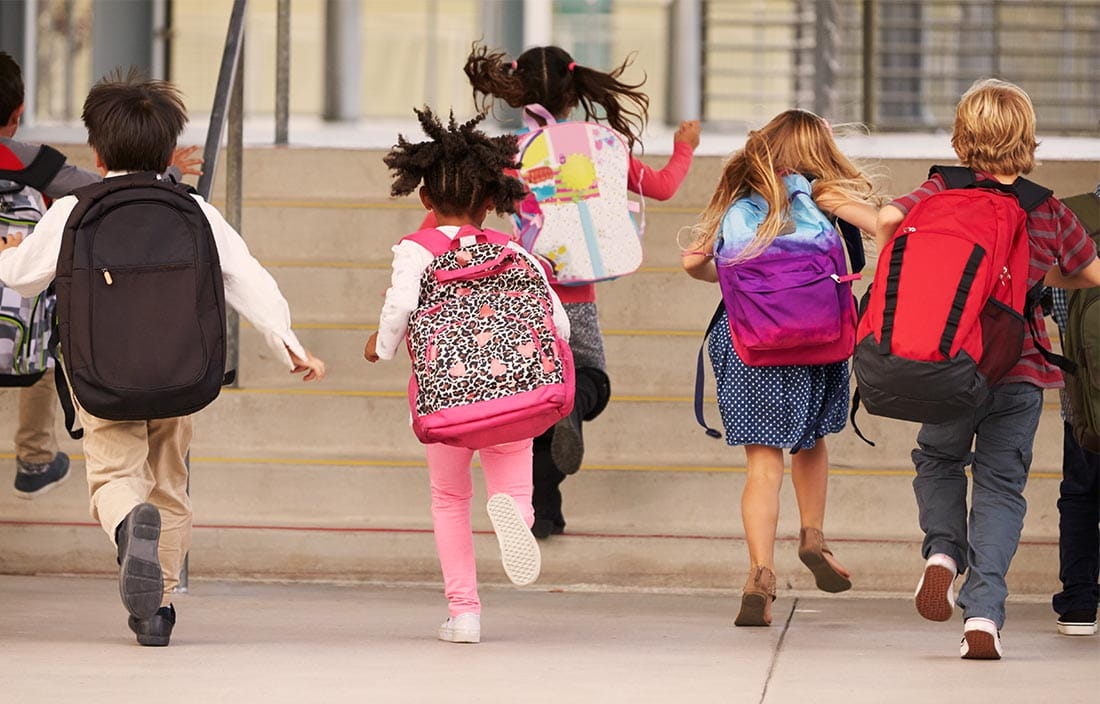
(1056, 237)
(1061, 315)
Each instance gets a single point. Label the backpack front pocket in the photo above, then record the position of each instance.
(784, 307)
(126, 355)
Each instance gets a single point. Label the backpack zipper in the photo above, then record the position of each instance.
(107, 276)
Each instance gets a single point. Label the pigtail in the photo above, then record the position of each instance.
(625, 108)
(491, 76)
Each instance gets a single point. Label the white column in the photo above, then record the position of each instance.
(538, 23)
(685, 56)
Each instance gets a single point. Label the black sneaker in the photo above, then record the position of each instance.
(567, 444)
(157, 630)
(543, 528)
(1081, 622)
(140, 581)
(33, 480)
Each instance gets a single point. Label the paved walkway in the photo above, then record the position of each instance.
(65, 640)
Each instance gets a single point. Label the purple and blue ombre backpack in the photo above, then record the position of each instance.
(791, 304)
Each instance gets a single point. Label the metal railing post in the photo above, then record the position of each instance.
(230, 80)
(234, 190)
(228, 71)
(685, 71)
(282, 73)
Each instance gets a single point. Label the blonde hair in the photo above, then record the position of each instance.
(995, 128)
(794, 141)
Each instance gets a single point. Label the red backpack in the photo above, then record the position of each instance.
(944, 319)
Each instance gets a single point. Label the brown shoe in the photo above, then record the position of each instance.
(816, 555)
(757, 598)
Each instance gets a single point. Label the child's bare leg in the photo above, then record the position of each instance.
(810, 476)
(760, 503)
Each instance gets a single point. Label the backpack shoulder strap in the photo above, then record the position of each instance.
(40, 172)
(430, 239)
(1030, 195)
(954, 176)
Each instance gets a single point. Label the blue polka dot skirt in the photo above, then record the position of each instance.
(775, 406)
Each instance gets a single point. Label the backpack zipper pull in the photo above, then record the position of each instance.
(107, 277)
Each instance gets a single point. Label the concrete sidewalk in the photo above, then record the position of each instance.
(65, 640)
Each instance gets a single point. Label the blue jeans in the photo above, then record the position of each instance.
(1078, 531)
(1002, 432)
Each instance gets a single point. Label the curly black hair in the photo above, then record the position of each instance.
(461, 167)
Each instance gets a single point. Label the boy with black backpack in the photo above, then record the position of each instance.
(31, 175)
(144, 268)
(979, 214)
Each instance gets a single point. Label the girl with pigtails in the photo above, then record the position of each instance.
(547, 84)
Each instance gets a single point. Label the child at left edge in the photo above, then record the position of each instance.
(137, 469)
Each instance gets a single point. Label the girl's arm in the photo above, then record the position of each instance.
(663, 184)
(698, 260)
(888, 220)
(862, 215)
(402, 297)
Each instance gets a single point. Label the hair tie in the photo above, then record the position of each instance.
(514, 65)
(572, 65)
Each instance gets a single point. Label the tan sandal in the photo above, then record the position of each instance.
(816, 555)
(757, 598)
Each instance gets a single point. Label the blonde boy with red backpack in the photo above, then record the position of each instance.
(994, 137)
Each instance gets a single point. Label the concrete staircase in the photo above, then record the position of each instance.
(327, 481)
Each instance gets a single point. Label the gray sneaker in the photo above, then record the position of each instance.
(33, 480)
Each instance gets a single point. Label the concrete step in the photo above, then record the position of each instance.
(365, 231)
(634, 433)
(665, 366)
(58, 538)
(648, 300)
(312, 492)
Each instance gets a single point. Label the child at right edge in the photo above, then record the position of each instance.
(994, 136)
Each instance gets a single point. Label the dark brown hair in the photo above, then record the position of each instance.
(461, 167)
(547, 75)
(11, 87)
(133, 122)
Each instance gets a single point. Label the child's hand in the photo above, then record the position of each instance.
(11, 241)
(370, 352)
(688, 133)
(314, 368)
(185, 160)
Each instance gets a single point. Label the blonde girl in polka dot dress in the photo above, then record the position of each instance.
(770, 409)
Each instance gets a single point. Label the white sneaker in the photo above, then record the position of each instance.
(519, 551)
(981, 641)
(935, 595)
(464, 628)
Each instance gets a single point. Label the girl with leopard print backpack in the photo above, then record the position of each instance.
(487, 338)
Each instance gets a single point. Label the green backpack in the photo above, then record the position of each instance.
(1082, 338)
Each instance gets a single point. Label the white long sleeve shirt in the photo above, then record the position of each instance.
(249, 288)
(409, 262)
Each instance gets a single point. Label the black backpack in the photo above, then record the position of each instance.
(140, 301)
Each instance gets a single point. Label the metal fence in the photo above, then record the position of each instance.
(899, 65)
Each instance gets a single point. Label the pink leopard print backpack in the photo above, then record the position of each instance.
(488, 366)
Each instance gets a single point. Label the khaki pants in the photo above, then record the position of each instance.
(131, 462)
(35, 442)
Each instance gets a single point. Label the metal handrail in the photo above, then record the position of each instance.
(231, 56)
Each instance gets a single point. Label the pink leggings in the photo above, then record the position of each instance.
(507, 470)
